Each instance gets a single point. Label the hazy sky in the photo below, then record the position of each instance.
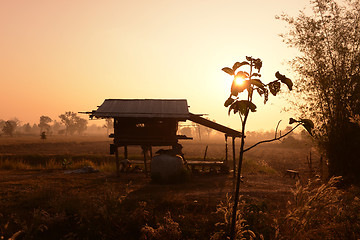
(58, 56)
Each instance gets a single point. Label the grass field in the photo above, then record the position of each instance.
(41, 200)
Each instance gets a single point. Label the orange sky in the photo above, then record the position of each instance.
(58, 56)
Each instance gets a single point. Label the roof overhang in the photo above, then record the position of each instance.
(213, 125)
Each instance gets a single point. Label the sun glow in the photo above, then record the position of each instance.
(239, 81)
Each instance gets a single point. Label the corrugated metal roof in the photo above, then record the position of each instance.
(148, 108)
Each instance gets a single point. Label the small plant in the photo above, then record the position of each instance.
(169, 230)
(224, 209)
(66, 163)
(250, 81)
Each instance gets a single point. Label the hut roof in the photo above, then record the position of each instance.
(142, 108)
(210, 124)
(155, 108)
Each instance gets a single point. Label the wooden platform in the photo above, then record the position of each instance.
(207, 165)
(195, 166)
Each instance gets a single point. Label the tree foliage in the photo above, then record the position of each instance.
(251, 83)
(328, 86)
(44, 124)
(73, 123)
(9, 127)
(109, 125)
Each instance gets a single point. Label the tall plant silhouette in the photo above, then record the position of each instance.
(249, 81)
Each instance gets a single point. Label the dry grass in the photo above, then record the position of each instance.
(321, 211)
(21, 164)
(251, 166)
(11, 165)
(39, 201)
(113, 208)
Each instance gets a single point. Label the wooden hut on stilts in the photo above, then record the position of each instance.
(154, 122)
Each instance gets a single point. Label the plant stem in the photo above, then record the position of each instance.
(238, 179)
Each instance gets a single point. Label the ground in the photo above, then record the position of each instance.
(54, 192)
(209, 188)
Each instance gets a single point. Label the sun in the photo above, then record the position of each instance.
(239, 81)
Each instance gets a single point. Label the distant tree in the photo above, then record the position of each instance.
(304, 136)
(207, 130)
(35, 128)
(9, 127)
(291, 137)
(197, 129)
(26, 128)
(186, 130)
(289, 140)
(81, 125)
(73, 123)
(109, 125)
(2, 124)
(44, 124)
(61, 131)
(203, 131)
(56, 125)
(328, 86)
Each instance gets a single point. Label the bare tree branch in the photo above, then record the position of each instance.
(271, 140)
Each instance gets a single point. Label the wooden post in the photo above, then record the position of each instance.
(233, 152)
(205, 152)
(125, 152)
(117, 161)
(226, 151)
(151, 156)
(145, 149)
(203, 167)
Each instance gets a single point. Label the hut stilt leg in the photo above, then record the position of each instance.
(226, 150)
(125, 152)
(145, 149)
(151, 156)
(233, 153)
(117, 161)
